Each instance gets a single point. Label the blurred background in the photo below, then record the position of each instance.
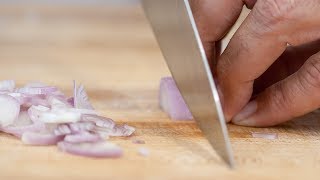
(105, 44)
(102, 43)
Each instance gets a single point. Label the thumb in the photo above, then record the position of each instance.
(292, 97)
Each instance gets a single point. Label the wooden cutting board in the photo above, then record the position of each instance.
(112, 51)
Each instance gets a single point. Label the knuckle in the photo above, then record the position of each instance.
(280, 98)
(311, 74)
(275, 11)
(228, 65)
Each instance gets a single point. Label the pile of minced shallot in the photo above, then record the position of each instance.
(39, 114)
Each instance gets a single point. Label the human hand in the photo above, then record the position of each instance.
(282, 81)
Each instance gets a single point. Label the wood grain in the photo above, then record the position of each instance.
(112, 51)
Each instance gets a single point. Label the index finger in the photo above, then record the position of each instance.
(259, 41)
(214, 19)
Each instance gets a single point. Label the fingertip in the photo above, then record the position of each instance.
(246, 112)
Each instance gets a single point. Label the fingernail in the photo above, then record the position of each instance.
(242, 117)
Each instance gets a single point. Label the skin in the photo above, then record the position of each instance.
(270, 71)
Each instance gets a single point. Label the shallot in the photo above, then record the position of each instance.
(171, 100)
(23, 124)
(270, 136)
(7, 85)
(97, 149)
(143, 151)
(82, 137)
(38, 138)
(9, 110)
(74, 128)
(138, 141)
(42, 115)
(80, 96)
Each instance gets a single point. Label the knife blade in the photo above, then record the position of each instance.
(177, 35)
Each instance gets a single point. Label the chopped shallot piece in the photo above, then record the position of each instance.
(118, 130)
(71, 101)
(80, 96)
(59, 115)
(83, 137)
(35, 84)
(38, 138)
(37, 90)
(9, 110)
(7, 85)
(270, 136)
(171, 100)
(123, 130)
(73, 128)
(138, 141)
(143, 151)
(97, 149)
(99, 120)
(23, 124)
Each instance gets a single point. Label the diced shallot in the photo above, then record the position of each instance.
(99, 121)
(38, 138)
(97, 149)
(9, 110)
(118, 130)
(143, 151)
(123, 130)
(35, 84)
(138, 141)
(57, 102)
(171, 101)
(58, 115)
(82, 137)
(80, 96)
(23, 124)
(73, 128)
(42, 115)
(21, 98)
(270, 136)
(37, 90)
(7, 85)
(71, 101)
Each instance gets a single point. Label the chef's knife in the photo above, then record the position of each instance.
(177, 35)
